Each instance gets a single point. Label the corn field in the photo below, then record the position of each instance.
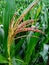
(24, 32)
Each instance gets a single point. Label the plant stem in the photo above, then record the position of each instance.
(8, 46)
(9, 41)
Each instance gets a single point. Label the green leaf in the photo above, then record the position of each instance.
(38, 11)
(46, 2)
(44, 53)
(16, 61)
(1, 35)
(3, 59)
(19, 45)
(30, 47)
(7, 15)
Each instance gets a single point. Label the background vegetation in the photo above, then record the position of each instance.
(32, 49)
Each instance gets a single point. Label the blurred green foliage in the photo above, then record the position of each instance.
(29, 50)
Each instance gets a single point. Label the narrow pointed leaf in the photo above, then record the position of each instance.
(3, 59)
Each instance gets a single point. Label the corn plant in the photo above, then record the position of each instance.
(12, 27)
